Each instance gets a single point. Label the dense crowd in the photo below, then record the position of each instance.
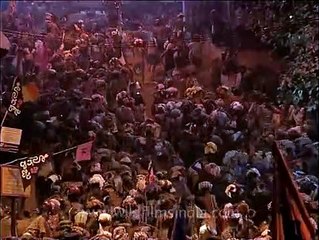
(203, 150)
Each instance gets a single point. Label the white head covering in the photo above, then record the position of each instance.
(206, 228)
(237, 106)
(54, 178)
(125, 160)
(206, 185)
(231, 188)
(105, 217)
(253, 170)
(38, 44)
(97, 178)
(228, 210)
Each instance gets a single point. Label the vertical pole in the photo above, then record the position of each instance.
(1, 85)
(184, 12)
(19, 62)
(118, 6)
(118, 17)
(13, 217)
(1, 91)
(143, 65)
(228, 11)
(231, 23)
(194, 218)
(4, 118)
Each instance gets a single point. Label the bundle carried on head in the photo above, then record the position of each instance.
(210, 148)
(193, 91)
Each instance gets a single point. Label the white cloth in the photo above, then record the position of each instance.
(231, 81)
(97, 178)
(54, 178)
(105, 217)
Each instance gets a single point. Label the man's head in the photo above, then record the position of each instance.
(180, 16)
(157, 21)
(213, 13)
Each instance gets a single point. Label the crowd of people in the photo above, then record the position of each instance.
(203, 151)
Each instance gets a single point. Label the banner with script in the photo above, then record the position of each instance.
(30, 167)
(16, 98)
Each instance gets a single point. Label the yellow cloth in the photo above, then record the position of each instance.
(5, 227)
(40, 225)
(190, 92)
(210, 148)
(81, 218)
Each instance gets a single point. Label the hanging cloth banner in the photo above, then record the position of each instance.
(30, 167)
(10, 139)
(83, 152)
(16, 97)
(16, 100)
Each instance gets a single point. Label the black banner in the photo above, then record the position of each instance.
(30, 167)
(16, 97)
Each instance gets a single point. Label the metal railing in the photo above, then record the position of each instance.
(287, 205)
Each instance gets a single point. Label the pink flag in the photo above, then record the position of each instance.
(151, 178)
(151, 175)
(83, 152)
